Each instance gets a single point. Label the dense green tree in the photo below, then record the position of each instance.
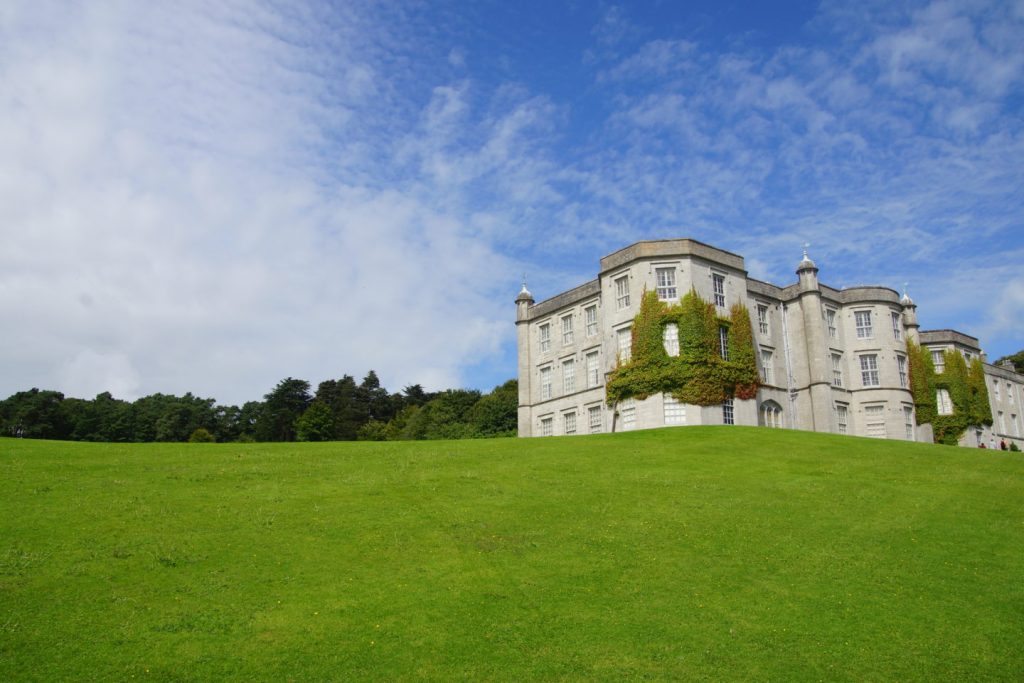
(373, 400)
(105, 419)
(248, 417)
(35, 414)
(340, 397)
(281, 408)
(315, 424)
(496, 414)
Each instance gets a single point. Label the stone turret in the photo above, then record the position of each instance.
(818, 415)
(910, 316)
(525, 374)
(523, 303)
(808, 273)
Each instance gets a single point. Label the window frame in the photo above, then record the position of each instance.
(544, 336)
(622, 298)
(718, 288)
(568, 376)
(624, 354)
(842, 413)
(546, 390)
(869, 376)
(567, 427)
(568, 333)
(762, 319)
(673, 410)
(593, 373)
(673, 348)
(767, 366)
(865, 328)
(670, 289)
(590, 325)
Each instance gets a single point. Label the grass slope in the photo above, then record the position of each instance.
(693, 553)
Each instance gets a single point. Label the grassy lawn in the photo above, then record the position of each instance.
(681, 554)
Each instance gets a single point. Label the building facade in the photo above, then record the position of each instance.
(831, 360)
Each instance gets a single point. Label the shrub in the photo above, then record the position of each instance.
(201, 435)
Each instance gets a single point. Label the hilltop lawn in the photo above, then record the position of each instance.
(682, 554)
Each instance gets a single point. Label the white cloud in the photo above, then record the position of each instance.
(170, 222)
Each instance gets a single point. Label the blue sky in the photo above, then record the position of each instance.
(211, 198)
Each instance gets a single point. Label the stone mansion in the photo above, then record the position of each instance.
(830, 360)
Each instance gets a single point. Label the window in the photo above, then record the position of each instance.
(908, 421)
(995, 388)
(627, 411)
(723, 342)
(830, 320)
(967, 356)
(666, 278)
(771, 415)
(842, 418)
(622, 292)
(837, 370)
(596, 425)
(1009, 393)
(625, 338)
(727, 414)
(593, 376)
(545, 337)
(670, 339)
(675, 412)
(939, 361)
(874, 421)
(1002, 423)
(569, 422)
(567, 330)
(1013, 424)
(547, 426)
(766, 366)
(718, 285)
(897, 325)
(863, 320)
(545, 383)
(568, 376)
(762, 319)
(901, 365)
(869, 370)
(590, 318)
(943, 405)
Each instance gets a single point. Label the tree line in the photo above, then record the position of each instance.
(339, 410)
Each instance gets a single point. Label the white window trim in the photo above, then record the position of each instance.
(671, 290)
(587, 324)
(717, 277)
(622, 301)
(864, 331)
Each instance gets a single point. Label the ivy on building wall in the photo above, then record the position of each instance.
(965, 384)
(698, 375)
(922, 382)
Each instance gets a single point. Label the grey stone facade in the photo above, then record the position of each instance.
(831, 360)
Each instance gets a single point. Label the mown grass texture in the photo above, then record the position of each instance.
(696, 553)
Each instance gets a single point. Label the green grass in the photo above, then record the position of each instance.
(684, 554)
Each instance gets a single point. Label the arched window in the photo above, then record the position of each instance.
(770, 414)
